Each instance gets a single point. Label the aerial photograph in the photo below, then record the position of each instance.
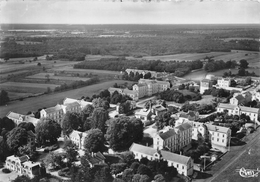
(129, 91)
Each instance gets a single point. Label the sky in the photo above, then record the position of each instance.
(102, 12)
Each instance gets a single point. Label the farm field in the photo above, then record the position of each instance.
(70, 69)
(52, 76)
(26, 87)
(33, 104)
(97, 57)
(17, 95)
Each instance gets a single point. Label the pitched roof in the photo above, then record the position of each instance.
(69, 105)
(30, 119)
(159, 107)
(14, 115)
(167, 134)
(142, 149)
(249, 109)
(76, 134)
(95, 158)
(31, 164)
(53, 109)
(217, 128)
(69, 100)
(142, 112)
(240, 98)
(24, 158)
(184, 126)
(226, 106)
(181, 159)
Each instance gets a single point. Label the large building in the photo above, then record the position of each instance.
(173, 139)
(205, 84)
(55, 113)
(19, 118)
(22, 166)
(218, 136)
(146, 87)
(131, 93)
(223, 82)
(183, 164)
(238, 110)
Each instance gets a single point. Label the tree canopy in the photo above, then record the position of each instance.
(94, 141)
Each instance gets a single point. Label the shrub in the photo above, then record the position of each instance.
(5, 170)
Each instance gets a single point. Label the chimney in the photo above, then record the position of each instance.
(92, 154)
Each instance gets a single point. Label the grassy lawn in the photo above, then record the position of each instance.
(33, 104)
(206, 99)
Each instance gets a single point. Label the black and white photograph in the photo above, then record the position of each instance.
(129, 91)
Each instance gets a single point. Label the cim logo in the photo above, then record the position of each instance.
(248, 173)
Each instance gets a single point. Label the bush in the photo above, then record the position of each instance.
(65, 172)
(5, 170)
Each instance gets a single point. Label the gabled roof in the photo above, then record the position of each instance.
(169, 156)
(31, 164)
(14, 115)
(73, 104)
(249, 109)
(159, 107)
(184, 126)
(181, 159)
(95, 158)
(24, 158)
(142, 149)
(226, 106)
(240, 98)
(167, 134)
(53, 109)
(29, 119)
(69, 100)
(75, 134)
(217, 128)
(142, 112)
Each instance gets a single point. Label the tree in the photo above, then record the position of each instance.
(70, 122)
(27, 126)
(241, 72)
(16, 138)
(47, 131)
(159, 178)
(99, 118)
(143, 169)
(118, 167)
(243, 63)
(248, 81)
(6, 123)
(54, 160)
(47, 77)
(4, 149)
(4, 97)
(94, 141)
(135, 166)
(123, 131)
(233, 83)
(86, 112)
(28, 149)
(147, 75)
(128, 175)
(71, 155)
(99, 102)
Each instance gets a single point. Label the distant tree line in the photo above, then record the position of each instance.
(120, 64)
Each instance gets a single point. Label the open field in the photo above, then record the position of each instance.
(26, 87)
(17, 95)
(53, 77)
(97, 57)
(33, 104)
(252, 57)
(70, 69)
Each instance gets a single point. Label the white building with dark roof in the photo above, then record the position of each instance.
(19, 118)
(205, 84)
(183, 164)
(223, 82)
(173, 139)
(238, 110)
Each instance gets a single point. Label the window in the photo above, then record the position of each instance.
(222, 141)
(217, 139)
(223, 135)
(177, 165)
(182, 167)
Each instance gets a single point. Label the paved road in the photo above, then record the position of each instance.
(234, 159)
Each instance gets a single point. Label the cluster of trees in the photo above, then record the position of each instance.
(135, 76)
(127, 169)
(216, 92)
(123, 131)
(163, 120)
(201, 108)
(76, 84)
(120, 64)
(4, 98)
(189, 87)
(178, 96)
(213, 65)
(16, 139)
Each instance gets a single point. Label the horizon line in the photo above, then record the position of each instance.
(130, 23)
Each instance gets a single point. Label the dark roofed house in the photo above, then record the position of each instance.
(95, 159)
